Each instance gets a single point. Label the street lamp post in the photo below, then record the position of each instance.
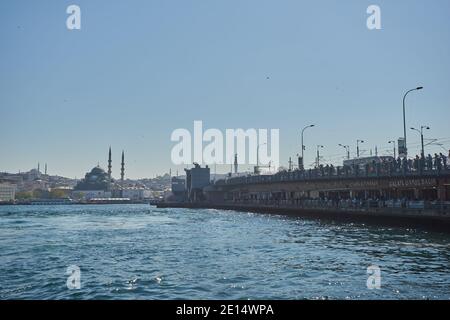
(421, 138)
(404, 118)
(303, 146)
(318, 155)
(357, 147)
(347, 149)
(395, 154)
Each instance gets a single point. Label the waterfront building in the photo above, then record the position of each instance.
(91, 194)
(178, 190)
(178, 185)
(197, 178)
(7, 192)
(136, 193)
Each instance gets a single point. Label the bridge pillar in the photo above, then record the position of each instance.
(441, 193)
(417, 193)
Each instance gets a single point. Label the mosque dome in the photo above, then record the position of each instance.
(96, 179)
(97, 171)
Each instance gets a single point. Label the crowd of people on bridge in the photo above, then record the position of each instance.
(379, 166)
(419, 164)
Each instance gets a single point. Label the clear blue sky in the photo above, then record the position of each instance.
(137, 70)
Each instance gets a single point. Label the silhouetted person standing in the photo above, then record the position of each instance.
(416, 163)
(444, 160)
(429, 162)
(437, 162)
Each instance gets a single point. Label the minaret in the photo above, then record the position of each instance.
(109, 164)
(235, 164)
(45, 169)
(39, 165)
(122, 169)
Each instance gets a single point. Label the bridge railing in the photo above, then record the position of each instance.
(330, 172)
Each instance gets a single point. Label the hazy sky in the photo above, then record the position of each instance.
(137, 70)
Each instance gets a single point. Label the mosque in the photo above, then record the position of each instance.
(101, 182)
(99, 186)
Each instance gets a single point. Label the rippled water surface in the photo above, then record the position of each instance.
(140, 252)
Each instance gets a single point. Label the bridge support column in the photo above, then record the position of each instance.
(441, 193)
(417, 193)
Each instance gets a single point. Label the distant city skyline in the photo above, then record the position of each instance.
(138, 70)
